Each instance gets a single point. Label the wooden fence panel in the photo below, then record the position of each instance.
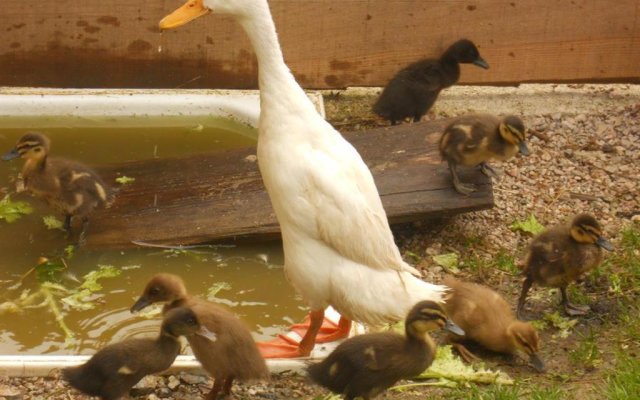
(327, 43)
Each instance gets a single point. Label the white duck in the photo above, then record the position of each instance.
(338, 247)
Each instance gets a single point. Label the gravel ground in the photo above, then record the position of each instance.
(585, 158)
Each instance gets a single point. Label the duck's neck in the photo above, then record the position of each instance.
(277, 84)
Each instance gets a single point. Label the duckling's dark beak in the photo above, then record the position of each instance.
(453, 328)
(524, 150)
(204, 332)
(604, 243)
(140, 304)
(480, 62)
(10, 155)
(537, 362)
(191, 10)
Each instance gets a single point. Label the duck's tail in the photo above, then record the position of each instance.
(77, 378)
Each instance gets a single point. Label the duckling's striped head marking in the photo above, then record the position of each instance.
(512, 130)
(428, 316)
(162, 287)
(525, 338)
(32, 145)
(586, 229)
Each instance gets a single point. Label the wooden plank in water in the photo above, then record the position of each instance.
(220, 196)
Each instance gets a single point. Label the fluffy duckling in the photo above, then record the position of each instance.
(414, 89)
(115, 369)
(233, 355)
(488, 320)
(560, 255)
(366, 365)
(70, 187)
(473, 139)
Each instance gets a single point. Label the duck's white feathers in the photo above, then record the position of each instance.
(338, 246)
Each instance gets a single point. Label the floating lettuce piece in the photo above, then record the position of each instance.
(11, 211)
(530, 225)
(49, 271)
(104, 271)
(52, 222)
(124, 180)
(448, 261)
(218, 286)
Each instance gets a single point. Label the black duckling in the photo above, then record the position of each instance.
(414, 89)
(560, 255)
(487, 319)
(233, 355)
(366, 365)
(116, 368)
(474, 139)
(70, 187)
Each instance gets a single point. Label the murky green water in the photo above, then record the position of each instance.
(252, 277)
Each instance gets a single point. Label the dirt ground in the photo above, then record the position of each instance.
(585, 158)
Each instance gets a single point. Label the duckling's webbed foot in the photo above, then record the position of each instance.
(82, 238)
(466, 355)
(465, 189)
(489, 171)
(570, 308)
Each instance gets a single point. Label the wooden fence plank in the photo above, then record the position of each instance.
(327, 43)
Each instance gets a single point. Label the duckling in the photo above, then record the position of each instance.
(488, 320)
(414, 89)
(233, 355)
(560, 255)
(71, 187)
(116, 368)
(473, 139)
(366, 365)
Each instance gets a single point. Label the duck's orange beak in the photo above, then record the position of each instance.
(191, 10)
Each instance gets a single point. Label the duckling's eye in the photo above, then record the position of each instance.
(154, 291)
(192, 321)
(37, 150)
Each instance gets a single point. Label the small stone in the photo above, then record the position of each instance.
(173, 382)
(164, 393)
(10, 393)
(607, 148)
(251, 158)
(193, 379)
(152, 397)
(146, 385)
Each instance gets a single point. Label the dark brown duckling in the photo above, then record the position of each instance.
(366, 365)
(69, 186)
(488, 320)
(414, 89)
(560, 255)
(116, 368)
(474, 139)
(233, 355)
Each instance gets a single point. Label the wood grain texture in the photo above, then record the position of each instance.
(220, 196)
(327, 43)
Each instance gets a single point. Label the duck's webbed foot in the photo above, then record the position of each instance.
(576, 309)
(82, 238)
(465, 189)
(466, 355)
(570, 308)
(489, 171)
(526, 285)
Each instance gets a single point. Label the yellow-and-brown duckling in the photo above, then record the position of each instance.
(474, 139)
(414, 89)
(116, 368)
(560, 255)
(233, 355)
(69, 186)
(366, 365)
(487, 319)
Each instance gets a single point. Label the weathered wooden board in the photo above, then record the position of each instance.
(327, 43)
(220, 196)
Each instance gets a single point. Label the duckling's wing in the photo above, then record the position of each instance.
(349, 214)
